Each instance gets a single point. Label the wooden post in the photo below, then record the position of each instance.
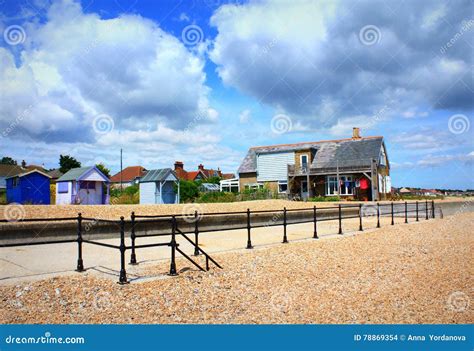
(360, 218)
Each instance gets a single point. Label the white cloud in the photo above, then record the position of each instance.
(245, 116)
(76, 66)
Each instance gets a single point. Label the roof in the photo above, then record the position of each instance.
(39, 168)
(128, 174)
(228, 175)
(10, 170)
(30, 172)
(157, 175)
(328, 153)
(209, 187)
(77, 173)
(55, 173)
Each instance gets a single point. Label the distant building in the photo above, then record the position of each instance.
(158, 187)
(129, 176)
(200, 174)
(84, 185)
(30, 187)
(8, 171)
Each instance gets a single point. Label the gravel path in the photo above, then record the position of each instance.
(417, 273)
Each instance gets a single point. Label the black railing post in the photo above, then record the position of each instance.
(432, 209)
(133, 256)
(173, 247)
(391, 210)
(378, 215)
(417, 219)
(340, 219)
(406, 212)
(285, 238)
(196, 233)
(123, 274)
(249, 227)
(426, 209)
(360, 218)
(315, 220)
(80, 263)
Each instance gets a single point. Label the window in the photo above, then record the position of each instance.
(346, 185)
(282, 186)
(15, 181)
(87, 185)
(383, 157)
(62, 187)
(304, 162)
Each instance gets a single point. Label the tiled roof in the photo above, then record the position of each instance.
(10, 170)
(129, 174)
(328, 153)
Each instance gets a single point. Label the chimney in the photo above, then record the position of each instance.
(178, 165)
(201, 167)
(356, 133)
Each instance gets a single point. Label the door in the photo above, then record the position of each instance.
(304, 189)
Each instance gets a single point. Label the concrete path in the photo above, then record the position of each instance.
(43, 261)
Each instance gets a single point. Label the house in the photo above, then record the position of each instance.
(230, 185)
(356, 167)
(128, 176)
(8, 171)
(55, 174)
(158, 187)
(84, 185)
(29, 187)
(200, 174)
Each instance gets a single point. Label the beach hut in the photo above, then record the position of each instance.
(84, 185)
(30, 187)
(158, 187)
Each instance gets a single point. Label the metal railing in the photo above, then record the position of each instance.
(280, 218)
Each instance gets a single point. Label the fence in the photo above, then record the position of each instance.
(283, 218)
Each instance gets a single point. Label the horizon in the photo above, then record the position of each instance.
(203, 82)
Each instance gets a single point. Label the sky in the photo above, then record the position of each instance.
(201, 81)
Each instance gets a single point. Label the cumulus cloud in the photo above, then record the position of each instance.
(307, 57)
(74, 66)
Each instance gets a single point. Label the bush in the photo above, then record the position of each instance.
(188, 190)
(216, 197)
(3, 197)
(129, 196)
(325, 199)
(255, 194)
(52, 195)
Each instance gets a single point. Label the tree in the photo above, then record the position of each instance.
(8, 161)
(67, 162)
(188, 190)
(213, 180)
(103, 169)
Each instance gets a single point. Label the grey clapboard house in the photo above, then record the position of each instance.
(356, 167)
(157, 187)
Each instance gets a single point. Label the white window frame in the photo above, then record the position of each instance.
(332, 179)
(301, 161)
(282, 182)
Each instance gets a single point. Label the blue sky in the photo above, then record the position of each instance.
(202, 81)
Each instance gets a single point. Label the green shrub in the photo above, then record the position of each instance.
(188, 190)
(216, 197)
(3, 197)
(325, 198)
